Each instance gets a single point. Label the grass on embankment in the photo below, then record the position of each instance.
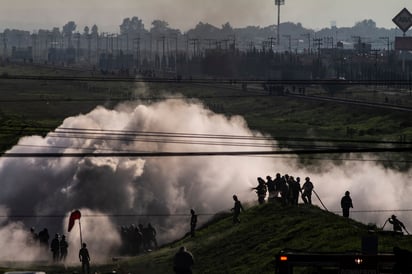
(251, 246)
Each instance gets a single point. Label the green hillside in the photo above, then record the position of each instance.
(251, 246)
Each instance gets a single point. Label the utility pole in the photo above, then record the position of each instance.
(317, 42)
(5, 45)
(176, 52)
(226, 43)
(195, 43)
(328, 41)
(210, 42)
(387, 43)
(278, 3)
(271, 40)
(290, 41)
(89, 47)
(308, 36)
(234, 41)
(359, 41)
(34, 46)
(77, 36)
(137, 44)
(163, 62)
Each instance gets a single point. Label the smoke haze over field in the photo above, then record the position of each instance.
(107, 189)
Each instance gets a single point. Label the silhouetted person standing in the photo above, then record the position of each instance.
(55, 248)
(261, 190)
(307, 188)
(397, 224)
(152, 235)
(183, 261)
(85, 259)
(145, 237)
(193, 222)
(63, 248)
(346, 204)
(236, 210)
(294, 188)
(44, 238)
(271, 188)
(33, 238)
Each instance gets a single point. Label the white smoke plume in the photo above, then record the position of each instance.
(120, 186)
(114, 191)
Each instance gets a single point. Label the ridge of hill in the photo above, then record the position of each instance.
(250, 247)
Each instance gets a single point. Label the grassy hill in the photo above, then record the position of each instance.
(251, 246)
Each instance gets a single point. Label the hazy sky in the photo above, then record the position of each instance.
(185, 14)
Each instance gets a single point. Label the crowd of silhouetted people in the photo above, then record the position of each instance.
(285, 189)
(58, 245)
(137, 239)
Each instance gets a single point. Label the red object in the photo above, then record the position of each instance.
(75, 215)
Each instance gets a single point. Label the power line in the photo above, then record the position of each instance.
(340, 159)
(384, 82)
(264, 156)
(99, 132)
(197, 154)
(142, 98)
(121, 215)
(25, 216)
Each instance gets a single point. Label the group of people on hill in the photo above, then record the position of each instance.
(58, 246)
(137, 239)
(284, 188)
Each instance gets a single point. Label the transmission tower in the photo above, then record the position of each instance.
(279, 3)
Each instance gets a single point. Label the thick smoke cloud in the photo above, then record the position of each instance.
(116, 191)
(129, 186)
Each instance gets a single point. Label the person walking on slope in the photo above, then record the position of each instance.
(236, 210)
(193, 222)
(307, 188)
(346, 204)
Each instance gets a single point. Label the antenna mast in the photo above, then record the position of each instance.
(279, 3)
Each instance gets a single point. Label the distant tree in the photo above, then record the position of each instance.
(68, 31)
(227, 28)
(134, 25)
(86, 30)
(367, 23)
(56, 31)
(69, 28)
(95, 30)
(159, 26)
(204, 30)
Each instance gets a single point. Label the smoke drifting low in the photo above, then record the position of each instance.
(128, 186)
(110, 190)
